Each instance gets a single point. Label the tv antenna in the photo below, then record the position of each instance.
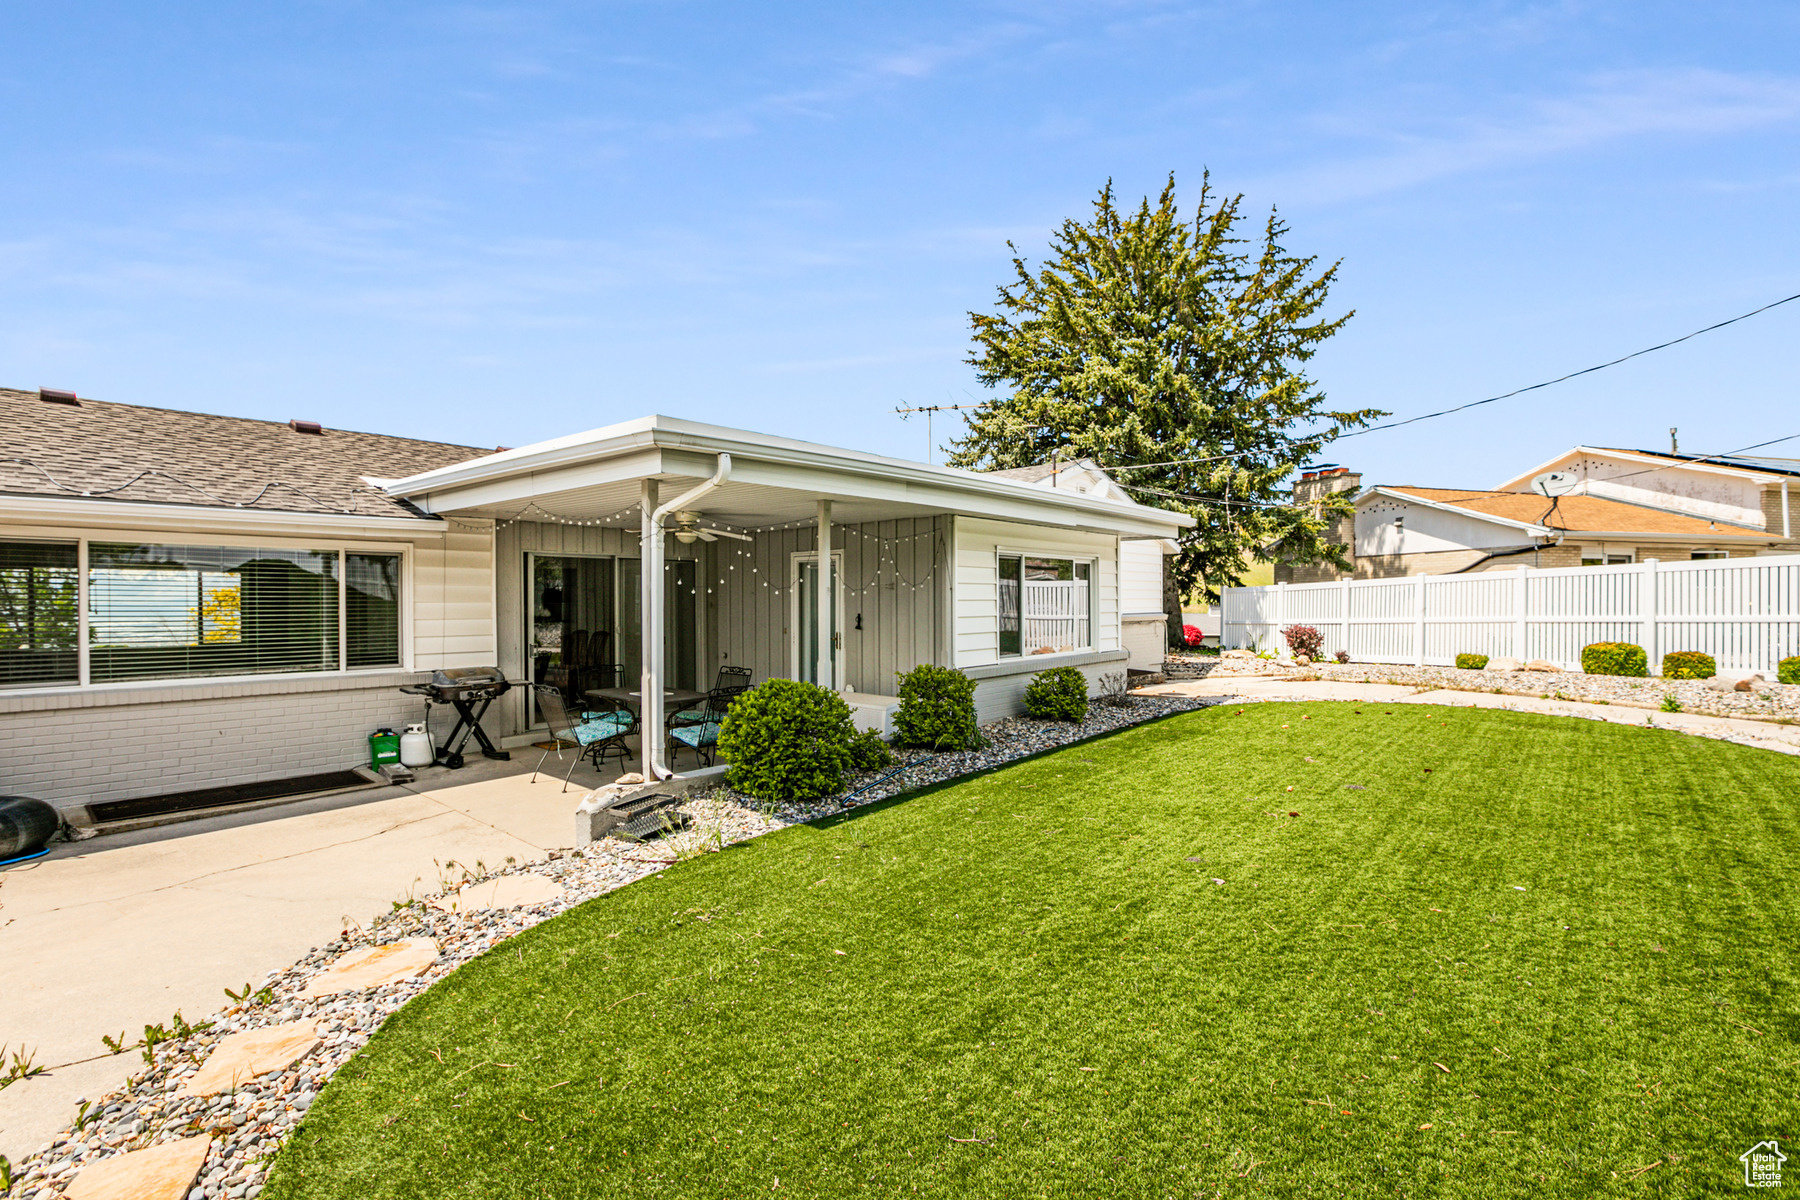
(928, 409)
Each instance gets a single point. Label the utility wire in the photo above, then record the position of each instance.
(1573, 374)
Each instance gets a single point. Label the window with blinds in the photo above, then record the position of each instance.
(40, 613)
(372, 610)
(158, 612)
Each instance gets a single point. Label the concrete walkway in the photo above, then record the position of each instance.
(1784, 739)
(107, 935)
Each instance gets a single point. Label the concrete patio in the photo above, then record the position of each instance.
(107, 935)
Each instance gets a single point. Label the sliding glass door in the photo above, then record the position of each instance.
(571, 633)
(584, 628)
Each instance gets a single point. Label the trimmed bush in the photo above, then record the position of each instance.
(1615, 658)
(1788, 670)
(937, 709)
(1342, 656)
(869, 753)
(1304, 639)
(787, 740)
(1059, 694)
(1471, 662)
(1191, 635)
(1689, 664)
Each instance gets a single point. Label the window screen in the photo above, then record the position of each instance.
(158, 612)
(372, 610)
(40, 611)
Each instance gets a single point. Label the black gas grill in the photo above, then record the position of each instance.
(469, 690)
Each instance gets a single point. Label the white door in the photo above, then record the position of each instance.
(803, 624)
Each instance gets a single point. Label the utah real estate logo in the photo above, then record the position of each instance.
(1762, 1164)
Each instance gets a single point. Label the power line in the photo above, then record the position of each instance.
(1712, 458)
(1573, 374)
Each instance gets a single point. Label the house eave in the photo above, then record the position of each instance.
(667, 446)
(179, 518)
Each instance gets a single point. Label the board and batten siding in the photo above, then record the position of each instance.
(513, 541)
(977, 590)
(891, 572)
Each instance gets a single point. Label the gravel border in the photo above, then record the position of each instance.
(250, 1124)
(1767, 701)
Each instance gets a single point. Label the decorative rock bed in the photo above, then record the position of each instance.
(1768, 701)
(153, 1138)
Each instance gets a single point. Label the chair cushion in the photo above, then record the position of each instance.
(609, 726)
(690, 714)
(696, 735)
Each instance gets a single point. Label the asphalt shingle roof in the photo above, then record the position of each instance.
(1579, 514)
(201, 459)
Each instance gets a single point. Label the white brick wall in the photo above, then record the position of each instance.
(144, 742)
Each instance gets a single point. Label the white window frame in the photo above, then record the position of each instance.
(1093, 620)
(249, 541)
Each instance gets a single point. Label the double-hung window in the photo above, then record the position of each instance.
(1045, 605)
(156, 611)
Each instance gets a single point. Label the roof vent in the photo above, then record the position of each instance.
(52, 396)
(299, 426)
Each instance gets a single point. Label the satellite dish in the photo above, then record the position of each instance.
(1554, 483)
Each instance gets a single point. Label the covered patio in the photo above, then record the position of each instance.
(648, 555)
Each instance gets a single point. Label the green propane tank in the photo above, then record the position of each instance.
(384, 748)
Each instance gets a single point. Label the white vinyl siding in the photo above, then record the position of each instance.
(1141, 576)
(453, 598)
(978, 545)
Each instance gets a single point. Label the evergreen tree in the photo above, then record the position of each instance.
(1171, 353)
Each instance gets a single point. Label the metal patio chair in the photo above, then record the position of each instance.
(702, 736)
(598, 736)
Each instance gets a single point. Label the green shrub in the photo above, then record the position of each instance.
(787, 740)
(1689, 664)
(1788, 670)
(869, 753)
(1059, 694)
(937, 709)
(1615, 658)
(1471, 662)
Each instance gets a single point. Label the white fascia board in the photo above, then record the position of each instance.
(182, 518)
(1442, 506)
(1654, 460)
(778, 462)
(522, 488)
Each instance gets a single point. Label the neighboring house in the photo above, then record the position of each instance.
(192, 601)
(1626, 506)
(1145, 624)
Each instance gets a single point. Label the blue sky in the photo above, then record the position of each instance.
(493, 224)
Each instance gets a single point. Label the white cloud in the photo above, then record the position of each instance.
(1609, 108)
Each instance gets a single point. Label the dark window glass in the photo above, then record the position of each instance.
(372, 610)
(1009, 606)
(40, 611)
(161, 612)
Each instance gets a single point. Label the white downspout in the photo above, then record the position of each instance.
(651, 688)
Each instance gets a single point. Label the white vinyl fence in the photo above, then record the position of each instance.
(1745, 612)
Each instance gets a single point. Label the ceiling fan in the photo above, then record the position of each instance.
(687, 530)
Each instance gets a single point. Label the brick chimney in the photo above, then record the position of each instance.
(1312, 485)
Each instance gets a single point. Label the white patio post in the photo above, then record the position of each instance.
(822, 666)
(650, 601)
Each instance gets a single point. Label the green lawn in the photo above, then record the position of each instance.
(1031, 961)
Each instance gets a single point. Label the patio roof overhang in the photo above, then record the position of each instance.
(773, 481)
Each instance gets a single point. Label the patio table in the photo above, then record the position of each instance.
(674, 699)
